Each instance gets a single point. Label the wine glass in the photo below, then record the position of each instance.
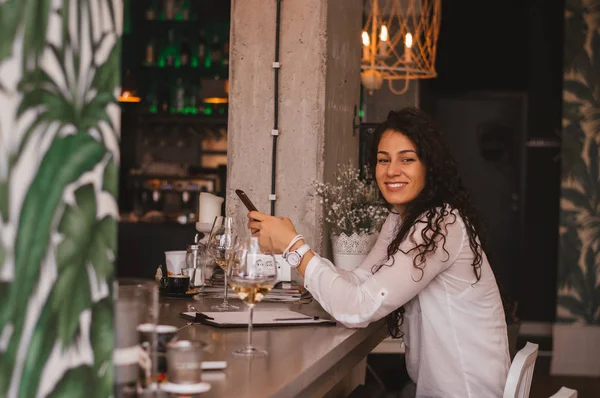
(252, 274)
(220, 245)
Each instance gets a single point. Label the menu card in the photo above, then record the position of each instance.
(260, 319)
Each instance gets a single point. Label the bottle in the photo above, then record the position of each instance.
(191, 102)
(151, 12)
(185, 10)
(184, 55)
(215, 57)
(226, 55)
(215, 50)
(171, 53)
(169, 9)
(202, 48)
(179, 97)
(152, 100)
(150, 52)
(165, 101)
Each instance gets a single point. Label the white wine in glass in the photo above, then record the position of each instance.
(251, 291)
(252, 274)
(223, 264)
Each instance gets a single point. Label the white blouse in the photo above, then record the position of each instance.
(454, 326)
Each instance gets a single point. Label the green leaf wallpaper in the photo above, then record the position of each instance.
(579, 260)
(59, 160)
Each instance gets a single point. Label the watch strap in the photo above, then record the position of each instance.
(296, 239)
(302, 250)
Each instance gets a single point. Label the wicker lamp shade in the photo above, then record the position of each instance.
(399, 41)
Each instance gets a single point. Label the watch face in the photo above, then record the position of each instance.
(293, 259)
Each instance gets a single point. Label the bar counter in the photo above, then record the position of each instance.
(303, 360)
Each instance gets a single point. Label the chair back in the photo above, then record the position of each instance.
(518, 382)
(565, 392)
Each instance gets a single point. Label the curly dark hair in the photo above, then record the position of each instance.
(443, 190)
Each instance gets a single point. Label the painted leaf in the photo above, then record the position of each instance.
(4, 200)
(573, 139)
(571, 110)
(102, 339)
(37, 14)
(38, 351)
(76, 225)
(591, 274)
(593, 168)
(103, 247)
(568, 218)
(573, 305)
(42, 94)
(596, 59)
(578, 282)
(580, 90)
(85, 240)
(576, 197)
(71, 292)
(597, 294)
(77, 382)
(568, 263)
(72, 296)
(107, 75)
(10, 16)
(66, 159)
(111, 178)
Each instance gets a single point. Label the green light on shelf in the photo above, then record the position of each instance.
(161, 62)
(177, 63)
(207, 62)
(153, 109)
(194, 62)
(179, 17)
(361, 113)
(208, 111)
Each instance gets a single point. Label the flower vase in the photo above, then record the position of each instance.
(350, 250)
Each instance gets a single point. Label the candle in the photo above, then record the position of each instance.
(209, 207)
(366, 43)
(383, 37)
(408, 48)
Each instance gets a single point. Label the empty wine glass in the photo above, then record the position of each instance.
(221, 243)
(252, 274)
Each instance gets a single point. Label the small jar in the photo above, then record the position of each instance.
(197, 256)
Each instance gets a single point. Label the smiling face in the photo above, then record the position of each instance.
(399, 172)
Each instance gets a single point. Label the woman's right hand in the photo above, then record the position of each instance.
(279, 230)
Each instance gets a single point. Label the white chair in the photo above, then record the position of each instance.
(565, 392)
(518, 382)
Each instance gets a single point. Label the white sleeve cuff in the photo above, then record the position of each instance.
(310, 269)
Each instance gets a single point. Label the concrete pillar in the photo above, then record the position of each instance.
(319, 87)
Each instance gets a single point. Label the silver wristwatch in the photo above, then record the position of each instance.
(293, 258)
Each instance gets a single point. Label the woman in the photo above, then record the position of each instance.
(427, 272)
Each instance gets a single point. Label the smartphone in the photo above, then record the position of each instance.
(247, 202)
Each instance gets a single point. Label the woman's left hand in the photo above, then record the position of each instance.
(279, 230)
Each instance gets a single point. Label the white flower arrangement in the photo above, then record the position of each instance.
(351, 202)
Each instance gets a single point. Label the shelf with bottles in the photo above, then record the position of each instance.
(181, 11)
(187, 95)
(205, 51)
